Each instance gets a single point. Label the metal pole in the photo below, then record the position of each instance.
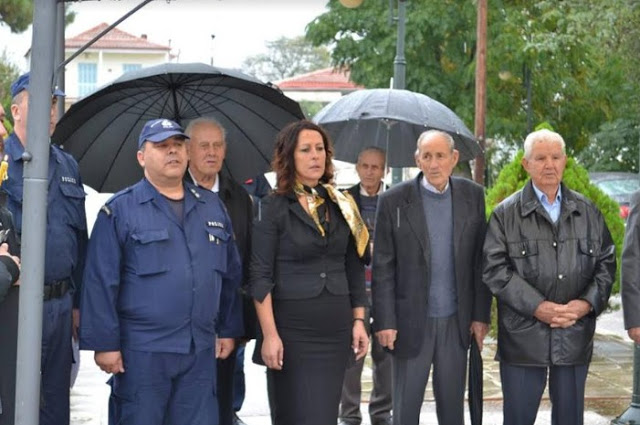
(399, 62)
(34, 216)
(481, 88)
(632, 414)
(399, 70)
(59, 54)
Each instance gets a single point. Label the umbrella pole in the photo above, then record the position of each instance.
(388, 124)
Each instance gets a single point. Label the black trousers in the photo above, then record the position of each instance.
(522, 389)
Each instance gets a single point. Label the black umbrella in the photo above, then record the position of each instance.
(475, 383)
(392, 120)
(101, 130)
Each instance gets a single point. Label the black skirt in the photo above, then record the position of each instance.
(316, 334)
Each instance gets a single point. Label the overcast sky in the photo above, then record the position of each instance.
(241, 27)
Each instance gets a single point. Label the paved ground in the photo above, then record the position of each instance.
(608, 385)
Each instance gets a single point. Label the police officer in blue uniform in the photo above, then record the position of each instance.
(161, 279)
(65, 249)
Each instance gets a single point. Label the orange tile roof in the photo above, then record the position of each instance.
(328, 79)
(113, 40)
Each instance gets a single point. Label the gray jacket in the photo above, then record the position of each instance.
(401, 262)
(528, 259)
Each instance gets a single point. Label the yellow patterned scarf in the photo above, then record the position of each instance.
(348, 208)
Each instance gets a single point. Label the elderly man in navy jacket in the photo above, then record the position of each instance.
(162, 277)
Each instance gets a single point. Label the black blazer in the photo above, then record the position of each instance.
(291, 260)
(240, 209)
(401, 277)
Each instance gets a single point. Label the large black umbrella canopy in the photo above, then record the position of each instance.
(101, 130)
(392, 120)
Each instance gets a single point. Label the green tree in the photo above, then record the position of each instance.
(578, 80)
(18, 14)
(310, 107)
(287, 57)
(8, 73)
(613, 148)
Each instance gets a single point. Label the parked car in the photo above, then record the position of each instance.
(619, 186)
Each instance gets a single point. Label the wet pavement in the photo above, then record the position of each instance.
(608, 390)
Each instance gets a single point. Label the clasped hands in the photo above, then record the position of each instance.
(562, 315)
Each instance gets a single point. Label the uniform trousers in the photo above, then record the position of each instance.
(165, 389)
(56, 360)
(522, 388)
(380, 400)
(225, 370)
(442, 348)
(239, 388)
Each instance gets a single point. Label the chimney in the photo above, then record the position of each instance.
(143, 36)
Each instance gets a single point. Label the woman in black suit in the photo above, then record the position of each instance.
(307, 280)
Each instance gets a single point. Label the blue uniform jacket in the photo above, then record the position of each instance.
(66, 239)
(155, 284)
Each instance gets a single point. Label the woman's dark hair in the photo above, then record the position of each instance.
(283, 161)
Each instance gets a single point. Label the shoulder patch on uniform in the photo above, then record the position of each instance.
(105, 209)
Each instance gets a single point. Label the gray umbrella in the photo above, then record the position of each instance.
(392, 120)
(101, 130)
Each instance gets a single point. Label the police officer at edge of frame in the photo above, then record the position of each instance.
(162, 278)
(65, 251)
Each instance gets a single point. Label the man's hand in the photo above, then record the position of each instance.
(75, 319)
(4, 250)
(360, 342)
(634, 334)
(387, 338)
(547, 311)
(224, 347)
(579, 307)
(109, 361)
(562, 315)
(273, 352)
(478, 331)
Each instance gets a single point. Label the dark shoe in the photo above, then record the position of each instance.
(347, 423)
(236, 420)
(388, 421)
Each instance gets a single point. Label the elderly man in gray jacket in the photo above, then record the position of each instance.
(550, 261)
(428, 296)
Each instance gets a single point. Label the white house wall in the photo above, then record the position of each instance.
(109, 66)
